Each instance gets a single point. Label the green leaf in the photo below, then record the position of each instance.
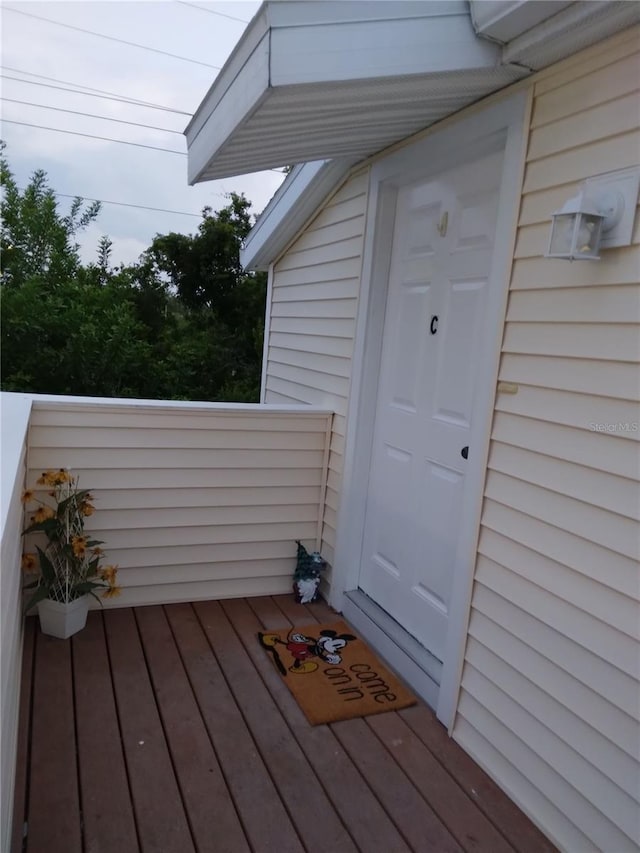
(39, 595)
(32, 528)
(88, 586)
(75, 497)
(50, 526)
(46, 567)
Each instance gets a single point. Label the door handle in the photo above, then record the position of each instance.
(465, 452)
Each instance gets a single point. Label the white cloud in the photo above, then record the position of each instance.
(124, 250)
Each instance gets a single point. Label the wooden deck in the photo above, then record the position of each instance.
(168, 730)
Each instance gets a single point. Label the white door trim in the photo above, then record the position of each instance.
(503, 124)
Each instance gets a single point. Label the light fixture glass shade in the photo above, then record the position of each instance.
(575, 231)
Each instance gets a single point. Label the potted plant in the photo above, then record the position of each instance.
(68, 567)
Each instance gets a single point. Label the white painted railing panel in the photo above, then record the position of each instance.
(14, 413)
(193, 501)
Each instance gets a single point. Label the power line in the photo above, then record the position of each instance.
(93, 136)
(115, 95)
(211, 11)
(124, 204)
(118, 99)
(109, 38)
(88, 115)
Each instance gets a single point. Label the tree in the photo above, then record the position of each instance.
(204, 268)
(219, 297)
(62, 331)
(35, 240)
(185, 322)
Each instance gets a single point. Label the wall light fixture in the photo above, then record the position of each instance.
(600, 216)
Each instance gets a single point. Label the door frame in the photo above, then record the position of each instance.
(502, 125)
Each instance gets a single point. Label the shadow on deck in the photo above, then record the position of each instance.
(167, 730)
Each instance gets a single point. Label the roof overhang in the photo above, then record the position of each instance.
(294, 203)
(326, 84)
(537, 33)
(320, 80)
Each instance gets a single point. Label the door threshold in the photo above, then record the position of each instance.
(418, 667)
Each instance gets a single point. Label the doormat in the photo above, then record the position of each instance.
(333, 674)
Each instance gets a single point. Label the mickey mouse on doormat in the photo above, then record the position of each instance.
(301, 648)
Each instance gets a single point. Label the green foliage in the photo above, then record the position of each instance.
(35, 240)
(185, 322)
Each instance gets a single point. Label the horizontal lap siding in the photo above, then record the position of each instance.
(312, 325)
(191, 504)
(549, 699)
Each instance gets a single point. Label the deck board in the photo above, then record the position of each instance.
(23, 746)
(365, 819)
(420, 825)
(160, 815)
(503, 812)
(167, 729)
(259, 805)
(108, 820)
(54, 799)
(316, 821)
(214, 822)
(472, 830)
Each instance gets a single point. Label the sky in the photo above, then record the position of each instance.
(203, 33)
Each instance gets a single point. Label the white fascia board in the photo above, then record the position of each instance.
(299, 13)
(257, 28)
(503, 20)
(363, 50)
(235, 94)
(300, 195)
(570, 30)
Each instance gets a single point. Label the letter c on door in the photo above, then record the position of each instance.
(433, 326)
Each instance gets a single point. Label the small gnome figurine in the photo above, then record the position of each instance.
(306, 578)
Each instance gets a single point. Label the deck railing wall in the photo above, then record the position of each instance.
(15, 411)
(193, 501)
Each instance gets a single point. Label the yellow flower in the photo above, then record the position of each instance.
(48, 478)
(97, 551)
(27, 496)
(43, 513)
(108, 574)
(61, 476)
(29, 563)
(79, 545)
(112, 592)
(87, 508)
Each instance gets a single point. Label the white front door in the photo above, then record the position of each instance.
(438, 281)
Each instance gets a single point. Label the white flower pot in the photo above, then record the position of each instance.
(63, 620)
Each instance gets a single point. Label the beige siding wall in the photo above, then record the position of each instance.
(550, 691)
(315, 294)
(191, 503)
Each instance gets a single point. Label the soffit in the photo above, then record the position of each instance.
(324, 80)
